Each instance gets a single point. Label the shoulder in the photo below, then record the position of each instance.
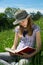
(36, 28)
(17, 29)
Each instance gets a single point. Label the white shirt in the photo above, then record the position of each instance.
(28, 40)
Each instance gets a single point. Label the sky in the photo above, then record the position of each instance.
(28, 5)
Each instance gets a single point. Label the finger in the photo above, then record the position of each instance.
(23, 53)
(19, 54)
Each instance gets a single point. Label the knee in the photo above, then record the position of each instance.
(23, 61)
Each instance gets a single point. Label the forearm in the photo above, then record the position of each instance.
(34, 53)
(30, 55)
(37, 49)
(14, 45)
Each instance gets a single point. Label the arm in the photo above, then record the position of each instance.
(38, 45)
(15, 43)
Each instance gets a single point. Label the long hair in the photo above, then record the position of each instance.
(29, 27)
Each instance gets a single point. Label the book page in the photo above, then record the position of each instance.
(10, 50)
(25, 49)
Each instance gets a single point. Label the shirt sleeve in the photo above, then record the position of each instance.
(37, 28)
(16, 29)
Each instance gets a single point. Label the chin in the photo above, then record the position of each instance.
(25, 26)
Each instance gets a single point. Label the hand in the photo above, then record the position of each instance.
(12, 54)
(25, 55)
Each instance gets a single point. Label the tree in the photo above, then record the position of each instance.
(3, 21)
(10, 12)
(36, 16)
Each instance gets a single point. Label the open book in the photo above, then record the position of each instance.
(26, 49)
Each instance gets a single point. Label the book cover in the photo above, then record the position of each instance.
(26, 49)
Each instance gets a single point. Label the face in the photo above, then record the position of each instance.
(24, 22)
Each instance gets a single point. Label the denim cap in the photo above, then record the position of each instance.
(20, 15)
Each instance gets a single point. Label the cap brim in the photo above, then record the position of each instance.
(28, 16)
(17, 22)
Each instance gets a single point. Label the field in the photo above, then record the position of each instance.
(6, 39)
(7, 36)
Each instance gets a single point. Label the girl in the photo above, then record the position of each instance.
(29, 35)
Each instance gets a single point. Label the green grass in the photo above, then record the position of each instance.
(6, 39)
(40, 24)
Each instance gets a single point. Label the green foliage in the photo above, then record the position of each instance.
(6, 39)
(40, 24)
(7, 18)
(10, 12)
(36, 16)
(3, 21)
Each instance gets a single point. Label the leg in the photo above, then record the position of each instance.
(7, 57)
(2, 62)
(13, 63)
(23, 62)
